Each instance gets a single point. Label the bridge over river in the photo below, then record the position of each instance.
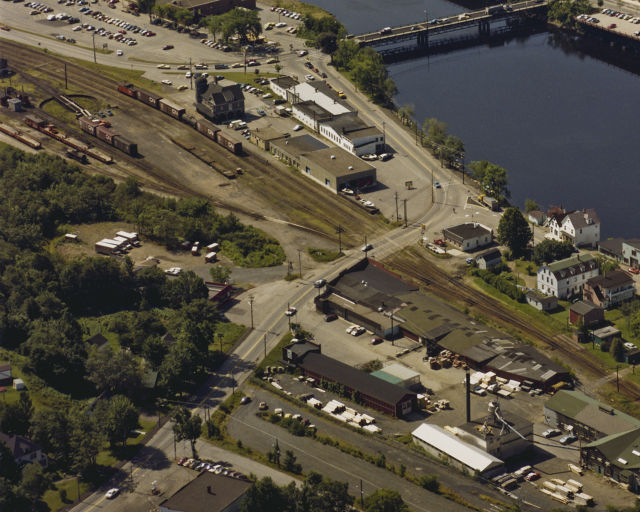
(422, 36)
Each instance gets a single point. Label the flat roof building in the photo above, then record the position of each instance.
(352, 134)
(208, 492)
(461, 455)
(468, 236)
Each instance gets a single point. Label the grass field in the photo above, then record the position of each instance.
(70, 487)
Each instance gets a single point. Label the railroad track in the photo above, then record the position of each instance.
(316, 209)
(414, 265)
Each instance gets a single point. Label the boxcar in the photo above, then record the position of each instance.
(190, 120)
(229, 143)
(207, 129)
(168, 107)
(127, 89)
(148, 98)
(87, 125)
(105, 134)
(124, 145)
(34, 122)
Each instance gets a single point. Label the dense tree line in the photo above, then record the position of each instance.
(241, 23)
(323, 32)
(367, 70)
(564, 12)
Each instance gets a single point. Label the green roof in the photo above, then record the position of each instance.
(381, 374)
(591, 412)
(570, 262)
(622, 449)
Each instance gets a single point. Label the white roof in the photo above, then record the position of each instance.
(469, 455)
(307, 92)
(400, 371)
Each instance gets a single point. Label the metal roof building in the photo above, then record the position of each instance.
(399, 375)
(437, 441)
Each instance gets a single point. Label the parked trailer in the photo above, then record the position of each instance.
(148, 98)
(213, 247)
(128, 89)
(168, 107)
(229, 143)
(124, 145)
(18, 135)
(211, 256)
(103, 247)
(574, 484)
(207, 129)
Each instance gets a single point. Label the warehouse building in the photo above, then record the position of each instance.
(468, 236)
(333, 168)
(374, 392)
(617, 457)
(586, 417)
(454, 451)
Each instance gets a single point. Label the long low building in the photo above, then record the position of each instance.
(376, 393)
(616, 456)
(448, 447)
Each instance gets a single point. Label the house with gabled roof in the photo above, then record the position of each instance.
(23, 449)
(566, 278)
(610, 289)
(580, 227)
(219, 102)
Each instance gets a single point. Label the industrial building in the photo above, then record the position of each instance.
(399, 375)
(380, 301)
(452, 450)
(208, 492)
(374, 392)
(333, 168)
(586, 417)
(617, 457)
(352, 134)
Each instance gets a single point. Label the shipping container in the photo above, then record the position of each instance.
(207, 129)
(105, 134)
(34, 122)
(229, 143)
(168, 107)
(126, 146)
(87, 125)
(127, 89)
(148, 98)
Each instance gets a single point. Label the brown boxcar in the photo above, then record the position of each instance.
(207, 129)
(148, 98)
(34, 122)
(190, 120)
(168, 107)
(124, 145)
(87, 125)
(229, 143)
(103, 133)
(127, 89)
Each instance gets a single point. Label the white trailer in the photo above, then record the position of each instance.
(211, 256)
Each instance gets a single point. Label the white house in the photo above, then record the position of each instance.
(566, 278)
(581, 228)
(282, 84)
(24, 450)
(350, 133)
(631, 252)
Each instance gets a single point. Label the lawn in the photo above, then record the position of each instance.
(71, 488)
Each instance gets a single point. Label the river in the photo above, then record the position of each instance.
(562, 123)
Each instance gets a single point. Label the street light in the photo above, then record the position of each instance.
(251, 297)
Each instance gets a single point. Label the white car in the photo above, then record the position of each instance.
(281, 24)
(366, 247)
(187, 74)
(112, 493)
(291, 311)
(309, 78)
(163, 66)
(297, 128)
(351, 329)
(166, 82)
(119, 53)
(173, 271)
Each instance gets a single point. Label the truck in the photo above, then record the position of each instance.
(281, 111)
(488, 201)
(493, 8)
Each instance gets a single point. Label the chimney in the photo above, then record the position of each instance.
(467, 379)
(209, 491)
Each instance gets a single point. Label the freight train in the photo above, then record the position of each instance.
(100, 130)
(207, 129)
(50, 130)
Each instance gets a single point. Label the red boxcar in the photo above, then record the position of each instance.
(87, 125)
(127, 89)
(229, 143)
(103, 133)
(148, 98)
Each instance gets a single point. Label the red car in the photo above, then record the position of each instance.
(634, 270)
(613, 25)
(182, 461)
(534, 475)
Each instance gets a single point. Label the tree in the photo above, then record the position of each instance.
(551, 250)
(241, 22)
(617, 350)
(514, 231)
(34, 482)
(436, 130)
(406, 113)
(430, 483)
(114, 372)
(121, 418)
(264, 496)
(51, 428)
(327, 42)
(385, 500)
(188, 427)
(214, 25)
(16, 417)
(345, 53)
(220, 273)
(530, 205)
(179, 366)
(289, 463)
(492, 178)
(146, 5)
(87, 439)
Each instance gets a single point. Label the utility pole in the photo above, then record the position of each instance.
(264, 339)
(190, 75)
(93, 37)
(361, 494)
(432, 198)
(300, 263)
(405, 212)
(251, 306)
(395, 195)
(617, 379)
(366, 249)
(384, 136)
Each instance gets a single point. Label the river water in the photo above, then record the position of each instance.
(563, 124)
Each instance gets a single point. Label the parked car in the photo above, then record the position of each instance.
(245, 400)
(530, 477)
(551, 432)
(330, 317)
(167, 47)
(479, 391)
(291, 311)
(112, 493)
(263, 406)
(634, 270)
(366, 247)
(297, 128)
(567, 439)
(437, 184)
(320, 283)
(376, 340)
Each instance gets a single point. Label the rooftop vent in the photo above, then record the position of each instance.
(333, 157)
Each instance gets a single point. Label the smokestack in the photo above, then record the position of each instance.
(468, 382)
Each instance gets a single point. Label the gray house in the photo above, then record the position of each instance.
(489, 259)
(541, 302)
